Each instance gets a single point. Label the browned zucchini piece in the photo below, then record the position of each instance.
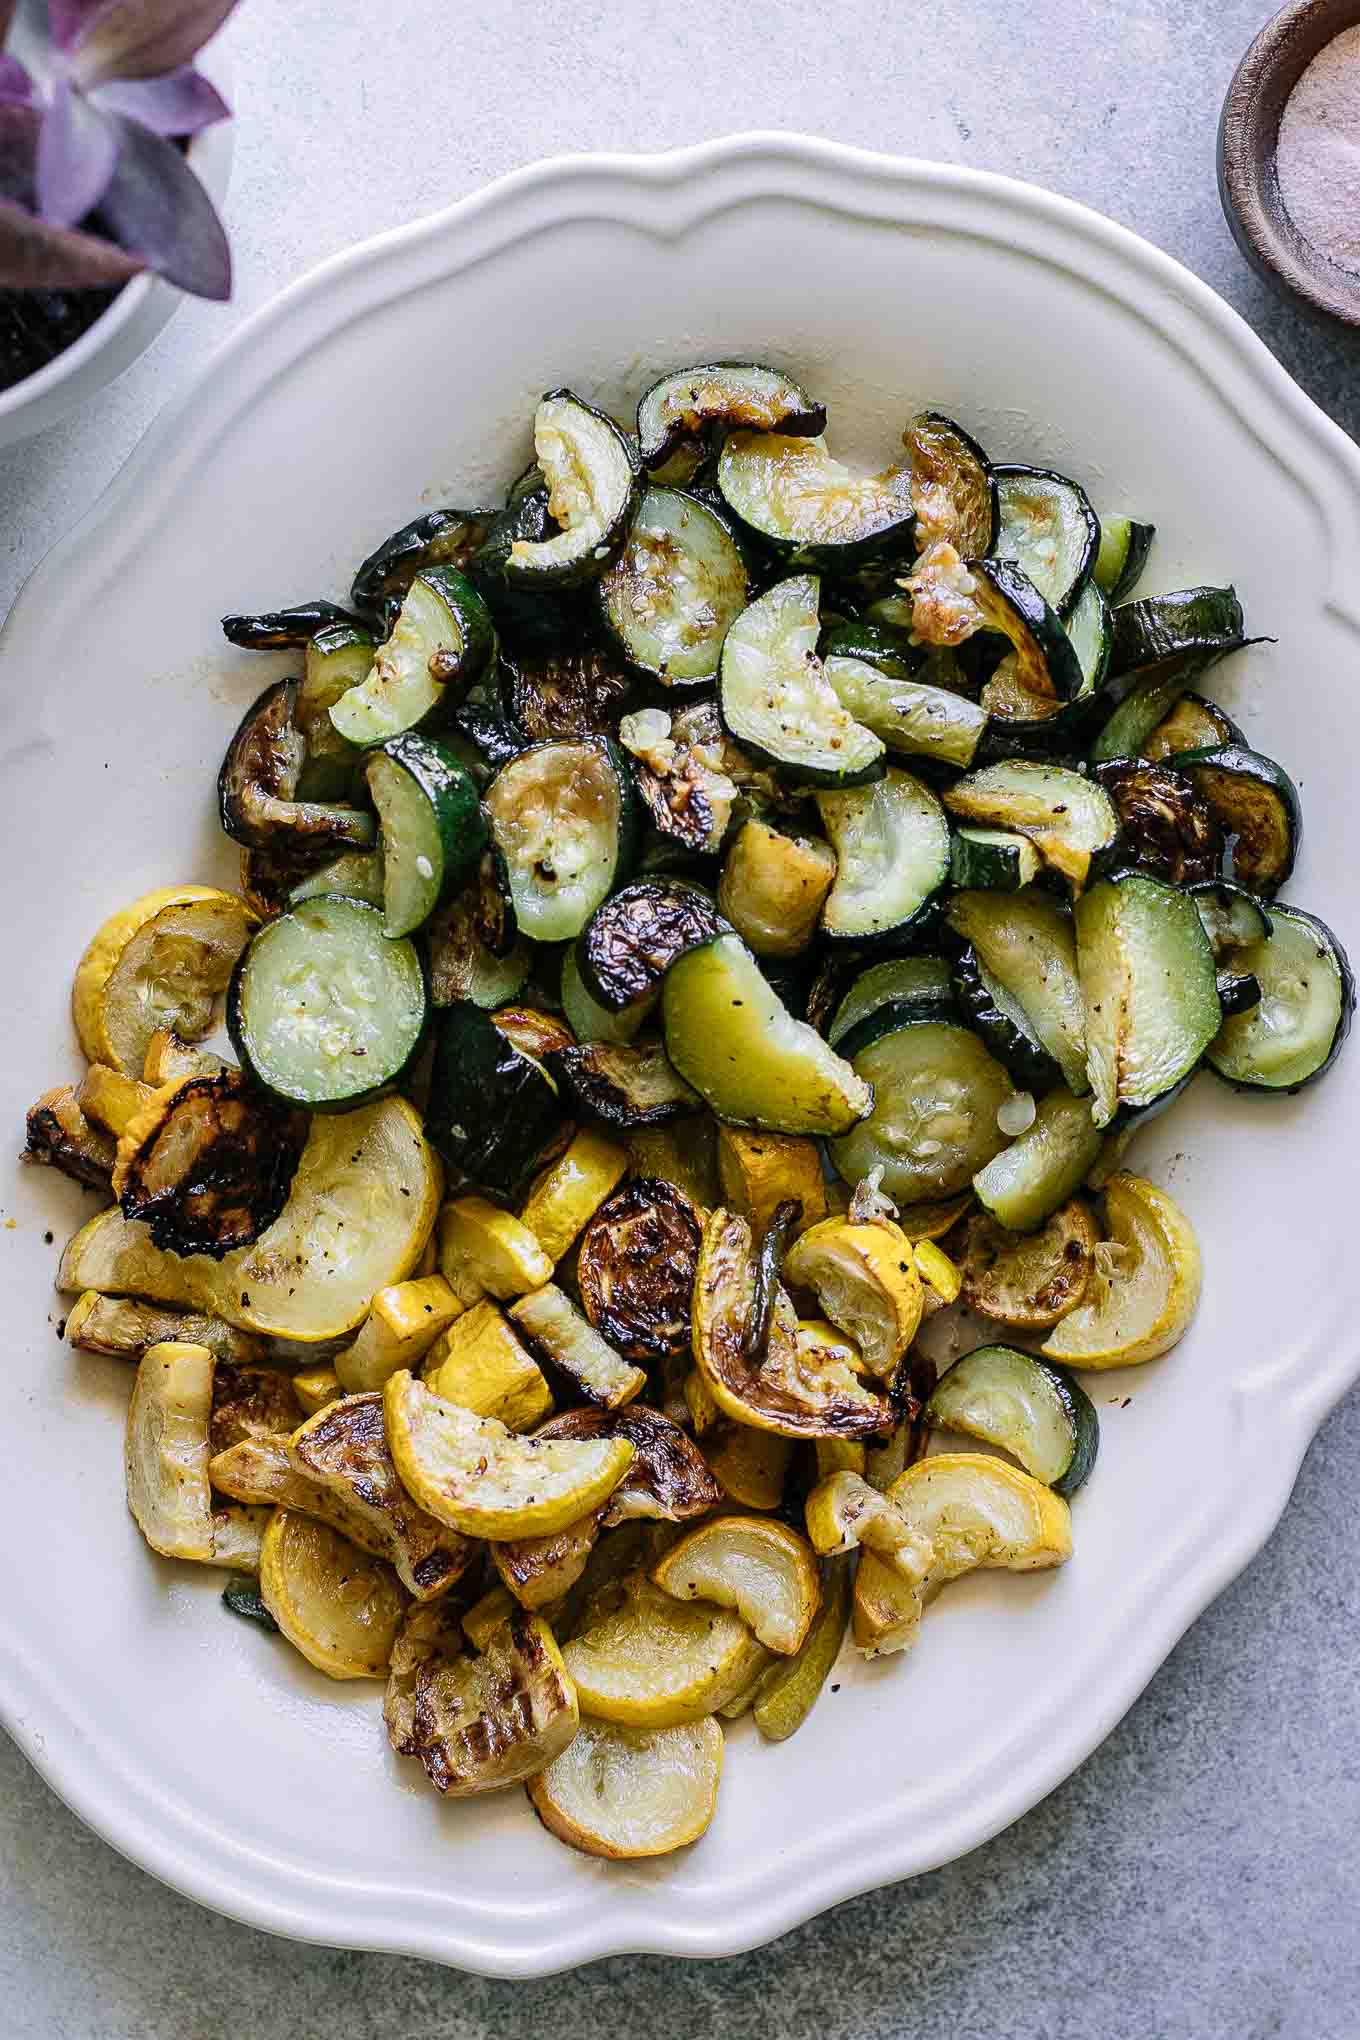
(625, 1084)
(250, 1402)
(1167, 828)
(481, 1723)
(636, 1268)
(124, 1328)
(556, 694)
(1028, 1280)
(258, 781)
(668, 1480)
(431, 1632)
(59, 1135)
(629, 943)
(209, 1164)
(533, 1033)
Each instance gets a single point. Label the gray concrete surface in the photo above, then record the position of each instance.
(1199, 1879)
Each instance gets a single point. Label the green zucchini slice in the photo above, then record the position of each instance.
(936, 1094)
(588, 1019)
(1256, 805)
(443, 640)
(1295, 1032)
(1043, 664)
(1003, 1023)
(731, 1038)
(1157, 632)
(953, 485)
(731, 395)
(1165, 826)
(809, 507)
(675, 590)
(1124, 548)
(891, 841)
(1024, 1184)
(992, 860)
(323, 1008)
(1071, 822)
(278, 630)
(358, 874)
(493, 1111)
(921, 984)
(431, 824)
(439, 538)
(1028, 949)
(929, 722)
(257, 789)
(555, 692)
(564, 818)
(1047, 526)
(1233, 918)
(887, 647)
(1037, 1412)
(1149, 985)
(474, 953)
(337, 658)
(627, 1084)
(1193, 724)
(592, 474)
(775, 698)
(631, 941)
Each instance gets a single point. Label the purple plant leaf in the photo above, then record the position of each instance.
(37, 256)
(160, 213)
(142, 38)
(77, 151)
(16, 87)
(180, 103)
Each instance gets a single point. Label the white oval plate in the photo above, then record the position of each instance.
(403, 374)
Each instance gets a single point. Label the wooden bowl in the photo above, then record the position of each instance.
(1247, 180)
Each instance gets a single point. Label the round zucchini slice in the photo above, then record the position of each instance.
(775, 698)
(909, 716)
(631, 941)
(730, 395)
(439, 538)
(1034, 1411)
(1149, 983)
(1256, 804)
(1050, 531)
(1028, 1280)
(636, 1269)
(936, 1092)
(809, 508)
(592, 474)
(339, 1607)
(1145, 1285)
(323, 1009)
(431, 825)
(764, 1570)
(953, 485)
(891, 841)
(655, 1662)
(442, 642)
(1166, 827)
(159, 964)
(623, 1793)
(674, 591)
(1233, 918)
(208, 1164)
(564, 819)
(1294, 1033)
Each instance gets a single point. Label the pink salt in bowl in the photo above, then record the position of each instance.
(1249, 179)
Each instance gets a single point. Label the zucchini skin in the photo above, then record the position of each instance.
(526, 577)
(1329, 943)
(1014, 471)
(440, 538)
(1158, 630)
(276, 630)
(1028, 1062)
(1120, 582)
(1228, 778)
(664, 420)
(493, 1112)
(1013, 606)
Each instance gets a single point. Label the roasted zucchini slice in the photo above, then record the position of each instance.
(682, 775)
(1043, 664)
(891, 841)
(674, 591)
(556, 1331)
(1028, 1280)
(808, 507)
(166, 1450)
(344, 1449)
(636, 1269)
(629, 1085)
(1124, 548)
(338, 1605)
(1307, 998)
(1003, 1023)
(1166, 827)
(250, 1402)
(592, 474)
(1162, 635)
(1194, 724)
(915, 987)
(159, 963)
(472, 955)
(624, 1792)
(1148, 981)
(258, 782)
(1071, 822)
(1049, 530)
(563, 1200)
(357, 874)
(654, 1662)
(558, 693)
(324, 1009)
(431, 823)
(773, 887)
(588, 1019)
(730, 1037)
(442, 642)
(632, 939)
(403, 1323)
(563, 817)
(764, 1570)
(278, 630)
(475, 1475)
(750, 1467)
(1028, 949)
(362, 1206)
(844, 1514)
(1144, 1287)
(57, 1134)
(910, 716)
(439, 538)
(788, 1690)
(482, 1723)
(538, 1571)
(124, 1328)
(429, 1630)
(776, 700)
(729, 395)
(866, 1282)
(668, 1480)
(238, 1538)
(798, 1390)
(493, 1112)
(337, 659)
(953, 485)
(208, 1164)
(1026, 1182)
(1256, 805)
(936, 1094)
(1034, 1411)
